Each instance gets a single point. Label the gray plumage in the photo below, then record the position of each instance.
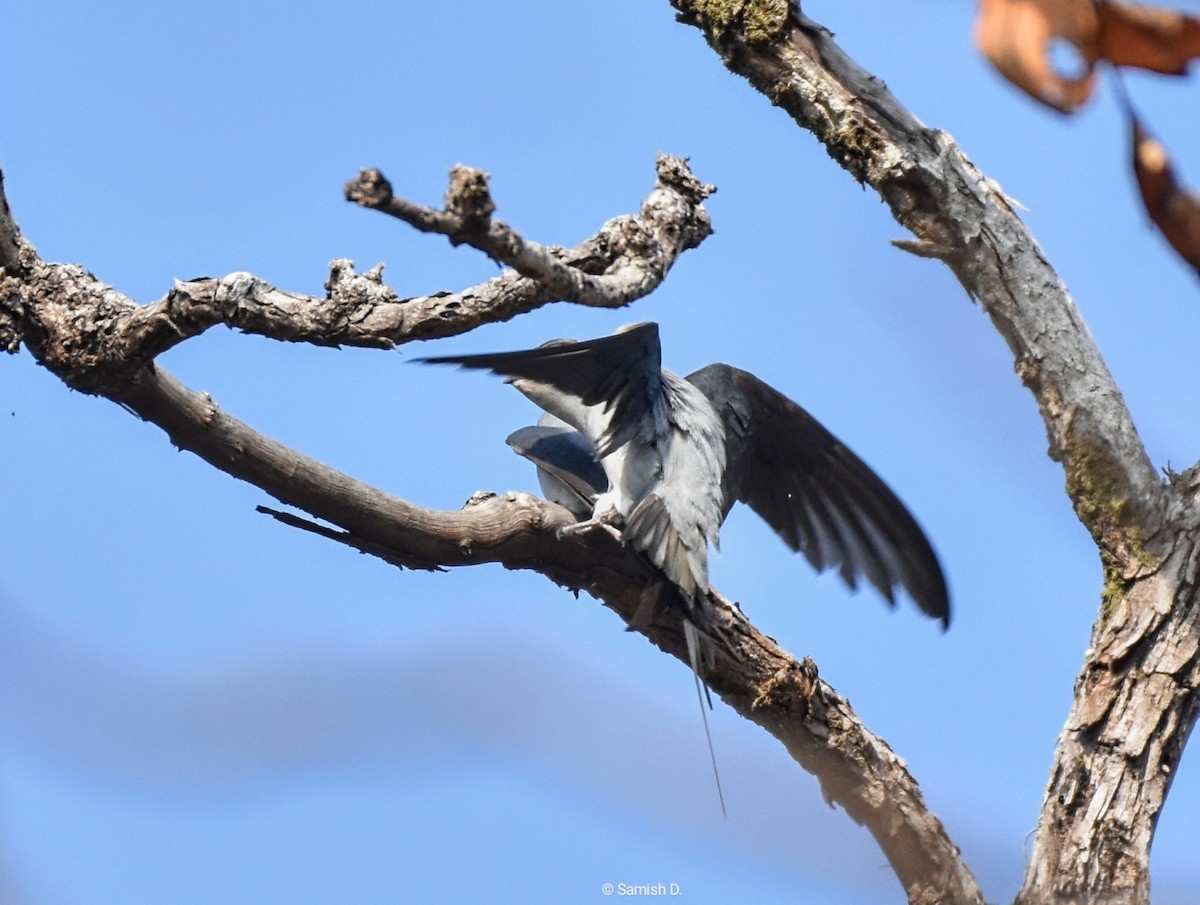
(816, 494)
(625, 442)
(659, 441)
(678, 453)
(567, 472)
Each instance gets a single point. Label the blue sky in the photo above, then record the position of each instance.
(200, 705)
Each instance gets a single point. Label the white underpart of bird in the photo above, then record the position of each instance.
(678, 453)
(666, 485)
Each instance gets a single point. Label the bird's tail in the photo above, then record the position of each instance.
(701, 634)
(694, 641)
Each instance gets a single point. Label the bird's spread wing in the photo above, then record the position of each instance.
(816, 494)
(605, 387)
(568, 473)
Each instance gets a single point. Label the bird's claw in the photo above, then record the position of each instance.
(592, 524)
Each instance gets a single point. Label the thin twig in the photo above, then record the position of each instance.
(467, 219)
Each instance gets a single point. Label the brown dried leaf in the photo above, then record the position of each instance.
(1173, 209)
(1015, 36)
(1161, 40)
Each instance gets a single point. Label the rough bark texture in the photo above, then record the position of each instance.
(762, 682)
(100, 342)
(1135, 705)
(1135, 700)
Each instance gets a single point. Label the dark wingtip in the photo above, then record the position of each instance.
(937, 604)
(939, 607)
(945, 616)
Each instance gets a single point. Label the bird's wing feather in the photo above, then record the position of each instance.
(617, 379)
(564, 456)
(816, 494)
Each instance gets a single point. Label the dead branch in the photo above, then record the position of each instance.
(1136, 697)
(938, 194)
(10, 235)
(644, 249)
(98, 341)
(763, 683)
(626, 259)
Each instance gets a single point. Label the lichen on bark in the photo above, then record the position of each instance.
(763, 19)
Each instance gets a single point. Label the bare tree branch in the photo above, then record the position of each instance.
(644, 249)
(1134, 708)
(763, 683)
(1136, 697)
(10, 235)
(11, 264)
(626, 259)
(99, 341)
(347, 539)
(964, 219)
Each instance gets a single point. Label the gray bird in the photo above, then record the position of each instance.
(626, 444)
(677, 453)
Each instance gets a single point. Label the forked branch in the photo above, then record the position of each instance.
(97, 340)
